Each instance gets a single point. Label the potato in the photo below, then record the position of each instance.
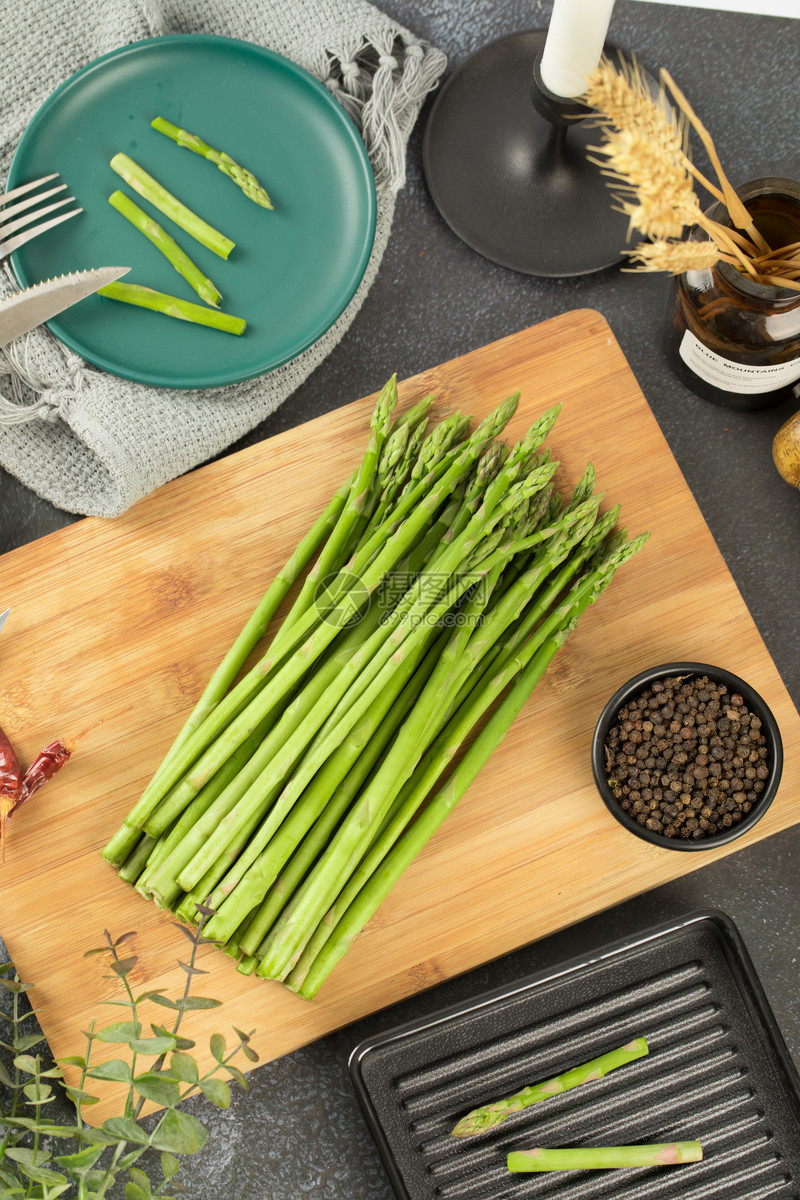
(786, 450)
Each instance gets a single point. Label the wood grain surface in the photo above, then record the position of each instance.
(116, 625)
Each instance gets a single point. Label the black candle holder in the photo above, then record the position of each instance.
(507, 166)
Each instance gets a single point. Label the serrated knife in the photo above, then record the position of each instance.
(26, 310)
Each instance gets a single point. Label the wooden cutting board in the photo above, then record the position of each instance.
(116, 625)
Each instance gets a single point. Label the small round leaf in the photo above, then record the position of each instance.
(217, 1092)
(153, 1045)
(169, 1165)
(123, 1129)
(120, 1031)
(179, 1133)
(184, 1066)
(152, 1085)
(134, 1192)
(115, 1068)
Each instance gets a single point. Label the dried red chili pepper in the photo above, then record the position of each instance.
(43, 767)
(16, 788)
(10, 786)
(10, 770)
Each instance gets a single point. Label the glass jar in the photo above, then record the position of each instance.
(731, 340)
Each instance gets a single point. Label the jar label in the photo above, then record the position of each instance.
(733, 376)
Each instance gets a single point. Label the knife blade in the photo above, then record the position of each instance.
(26, 310)
(3, 616)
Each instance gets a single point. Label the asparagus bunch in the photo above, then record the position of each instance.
(448, 573)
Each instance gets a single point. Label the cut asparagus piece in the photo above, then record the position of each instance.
(157, 195)
(603, 1158)
(488, 1116)
(243, 178)
(173, 306)
(177, 257)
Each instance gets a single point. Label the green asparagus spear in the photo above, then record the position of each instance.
(122, 844)
(337, 547)
(488, 1116)
(602, 1158)
(173, 306)
(167, 245)
(135, 863)
(257, 625)
(150, 189)
(243, 178)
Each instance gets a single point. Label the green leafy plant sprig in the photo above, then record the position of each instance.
(158, 1066)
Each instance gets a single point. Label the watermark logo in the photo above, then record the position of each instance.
(340, 599)
(429, 598)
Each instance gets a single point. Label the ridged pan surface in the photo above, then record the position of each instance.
(718, 1071)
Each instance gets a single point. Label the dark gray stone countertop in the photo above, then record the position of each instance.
(298, 1131)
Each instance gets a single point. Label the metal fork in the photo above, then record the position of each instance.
(17, 216)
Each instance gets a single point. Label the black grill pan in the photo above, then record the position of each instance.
(718, 1070)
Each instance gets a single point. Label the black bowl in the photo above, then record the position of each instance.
(754, 703)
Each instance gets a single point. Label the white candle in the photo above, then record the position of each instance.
(574, 44)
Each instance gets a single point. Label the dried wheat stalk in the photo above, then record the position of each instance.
(645, 155)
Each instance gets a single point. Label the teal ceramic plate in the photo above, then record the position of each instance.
(294, 269)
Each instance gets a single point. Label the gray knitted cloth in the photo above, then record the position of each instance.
(92, 443)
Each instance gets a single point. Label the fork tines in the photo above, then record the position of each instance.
(16, 213)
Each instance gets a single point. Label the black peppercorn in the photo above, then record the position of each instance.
(687, 759)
